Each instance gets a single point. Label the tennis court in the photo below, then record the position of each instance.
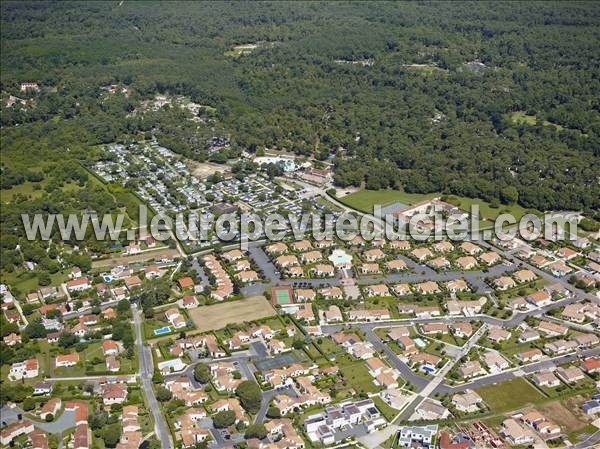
(282, 295)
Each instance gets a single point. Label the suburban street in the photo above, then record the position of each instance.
(146, 371)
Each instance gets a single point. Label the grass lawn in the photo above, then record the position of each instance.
(357, 377)
(387, 411)
(364, 200)
(509, 395)
(522, 117)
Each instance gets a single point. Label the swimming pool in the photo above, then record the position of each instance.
(162, 330)
(340, 257)
(420, 343)
(107, 277)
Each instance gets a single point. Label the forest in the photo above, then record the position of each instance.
(498, 101)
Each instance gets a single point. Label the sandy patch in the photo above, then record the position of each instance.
(163, 253)
(218, 316)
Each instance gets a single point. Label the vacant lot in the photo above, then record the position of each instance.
(217, 316)
(509, 395)
(205, 169)
(564, 416)
(142, 257)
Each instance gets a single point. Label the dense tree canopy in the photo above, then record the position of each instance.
(498, 101)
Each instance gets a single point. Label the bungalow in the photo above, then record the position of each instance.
(305, 294)
(323, 270)
(311, 257)
(470, 248)
(515, 433)
(247, 276)
(570, 375)
(333, 314)
(406, 343)
(27, 369)
(586, 340)
(78, 285)
(421, 254)
(567, 253)
(552, 329)
(242, 265)
(301, 245)
(324, 243)
(522, 276)
(12, 339)
(467, 402)
(457, 285)
(396, 265)
(112, 364)
(286, 261)
(504, 283)
(427, 288)
(498, 335)
(495, 361)
(233, 255)
(443, 247)
(546, 379)
(175, 318)
(66, 360)
(373, 255)
(529, 335)
(75, 273)
(189, 302)
(12, 431)
(559, 268)
(401, 289)
(331, 292)
(439, 263)
(468, 308)
(461, 329)
(434, 328)
(377, 290)
(110, 347)
(152, 272)
(396, 333)
(540, 298)
(403, 245)
(42, 387)
(370, 268)
(560, 346)
(540, 261)
(114, 393)
(369, 315)
(591, 365)
(276, 248)
(529, 355)
(466, 262)
(470, 369)
(185, 283)
(50, 408)
(490, 258)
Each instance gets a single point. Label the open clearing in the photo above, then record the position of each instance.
(163, 253)
(509, 395)
(364, 200)
(217, 316)
(562, 415)
(203, 170)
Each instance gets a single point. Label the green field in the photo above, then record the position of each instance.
(509, 395)
(364, 200)
(522, 117)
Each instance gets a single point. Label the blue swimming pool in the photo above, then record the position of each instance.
(420, 343)
(107, 278)
(162, 330)
(340, 257)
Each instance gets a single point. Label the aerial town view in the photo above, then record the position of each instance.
(299, 225)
